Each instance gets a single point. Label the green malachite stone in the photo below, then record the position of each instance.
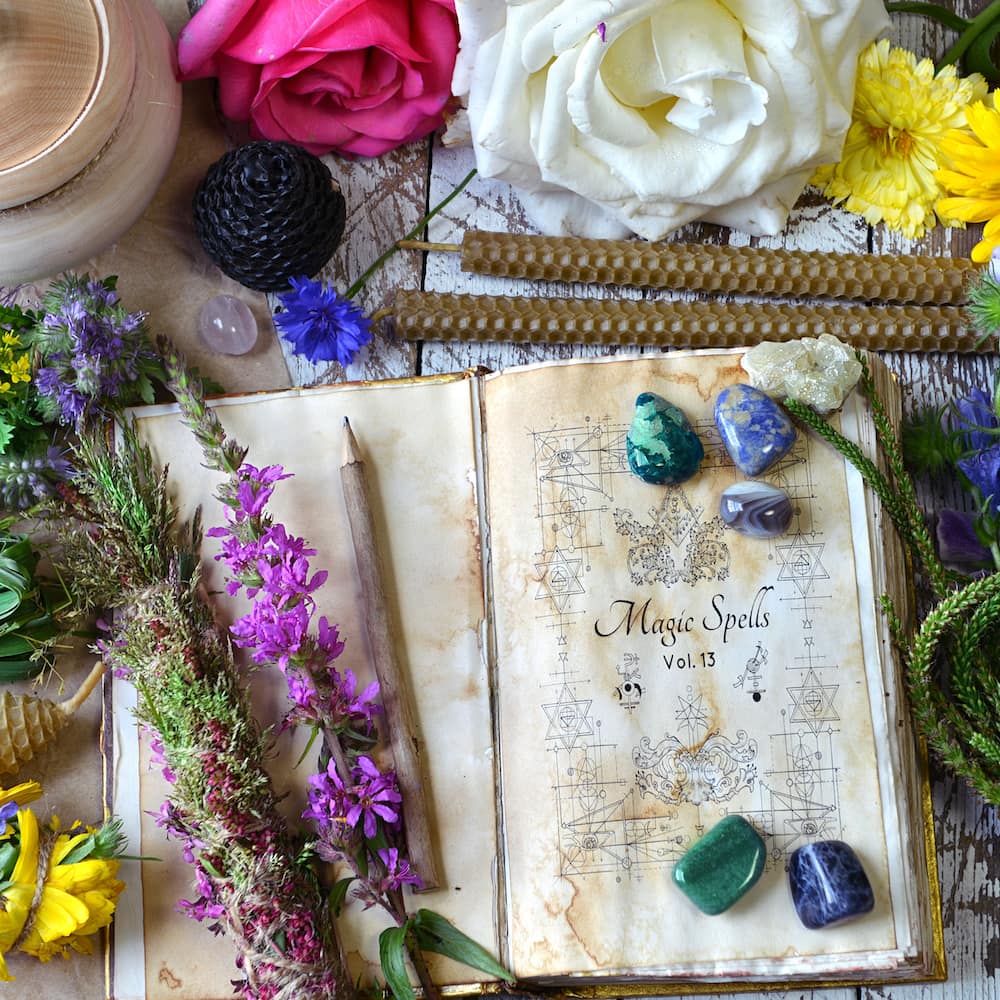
(661, 444)
(722, 866)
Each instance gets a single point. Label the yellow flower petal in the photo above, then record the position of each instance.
(22, 794)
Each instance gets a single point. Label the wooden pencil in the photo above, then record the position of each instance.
(396, 703)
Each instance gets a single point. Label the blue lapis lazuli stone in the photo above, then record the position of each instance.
(754, 428)
(829, 884)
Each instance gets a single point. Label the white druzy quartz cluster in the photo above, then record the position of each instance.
(819, 371)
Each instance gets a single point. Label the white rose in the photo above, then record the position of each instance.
(617, 116)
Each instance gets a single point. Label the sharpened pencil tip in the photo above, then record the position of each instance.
(350, 451)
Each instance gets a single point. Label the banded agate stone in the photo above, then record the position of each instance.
(661, 445)
(829, 884)
(754, 508)
(722, 867)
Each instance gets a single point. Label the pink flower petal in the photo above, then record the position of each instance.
(206, 33)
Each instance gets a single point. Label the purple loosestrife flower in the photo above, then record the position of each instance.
(320, 324)
(329, 802)
(397, 873)
(375, 794)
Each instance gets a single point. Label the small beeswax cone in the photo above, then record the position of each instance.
(29, 724)
(444, 316)
(709, 268)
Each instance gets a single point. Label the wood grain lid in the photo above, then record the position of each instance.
(66, 71)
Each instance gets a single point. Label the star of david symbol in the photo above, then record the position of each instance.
(569, 718)
(800, 563)
(812, 702)
(559, 579)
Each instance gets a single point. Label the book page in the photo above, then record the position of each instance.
(417, 442)
(657, 671)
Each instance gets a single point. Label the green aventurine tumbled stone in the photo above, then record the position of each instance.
(661, 444)
(718, 869)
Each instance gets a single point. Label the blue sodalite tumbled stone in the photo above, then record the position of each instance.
(754, 508)
(720, 868)
(755, 429)
(828, 884)
(661, 444)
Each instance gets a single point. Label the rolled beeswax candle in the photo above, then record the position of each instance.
(445, 316)
(710, 268)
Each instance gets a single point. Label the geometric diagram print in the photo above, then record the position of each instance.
(575, 471)
(789, 788)
(602, 827)
(799, 793)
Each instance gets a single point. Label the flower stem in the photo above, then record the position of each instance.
(360, 283)
(977, 27)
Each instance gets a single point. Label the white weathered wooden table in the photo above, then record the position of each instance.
(387, 197)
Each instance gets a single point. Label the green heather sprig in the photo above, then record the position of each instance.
(951, 665)
(124, 550)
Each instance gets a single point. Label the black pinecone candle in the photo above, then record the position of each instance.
(267, 212)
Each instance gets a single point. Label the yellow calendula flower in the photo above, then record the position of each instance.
(972, 178)
(902, 111)
(76, 900)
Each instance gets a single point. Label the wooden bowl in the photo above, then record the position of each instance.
(92, 113)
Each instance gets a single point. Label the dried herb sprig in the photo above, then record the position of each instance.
(951, 665)
(123, 549)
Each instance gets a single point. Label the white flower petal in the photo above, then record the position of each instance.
(686, 109)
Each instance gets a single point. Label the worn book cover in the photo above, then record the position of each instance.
(600, 670)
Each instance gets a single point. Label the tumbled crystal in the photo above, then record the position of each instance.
(829, 884)
(661, 445)
(722, 866)
(227, 326)
(755, 508)
(754, 428)
(817, 371)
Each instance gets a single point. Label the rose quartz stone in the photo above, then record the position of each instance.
(227, 326)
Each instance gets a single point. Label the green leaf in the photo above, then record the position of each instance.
(81, 852)
(338, 894)
(14, 645)
(6, 434)
(436, 934)
(12, 576)
(9, 602)
(312, 739)
(979, 58)
(22, 669)
(392, 957)
(8, 858)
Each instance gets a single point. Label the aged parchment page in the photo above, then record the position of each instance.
(656, 671)
(418, 445)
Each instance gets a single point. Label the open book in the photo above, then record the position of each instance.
(601, 671)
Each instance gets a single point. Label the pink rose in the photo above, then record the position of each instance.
(356, 77)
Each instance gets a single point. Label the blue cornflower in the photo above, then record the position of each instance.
(975, 415)
(320, 324)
